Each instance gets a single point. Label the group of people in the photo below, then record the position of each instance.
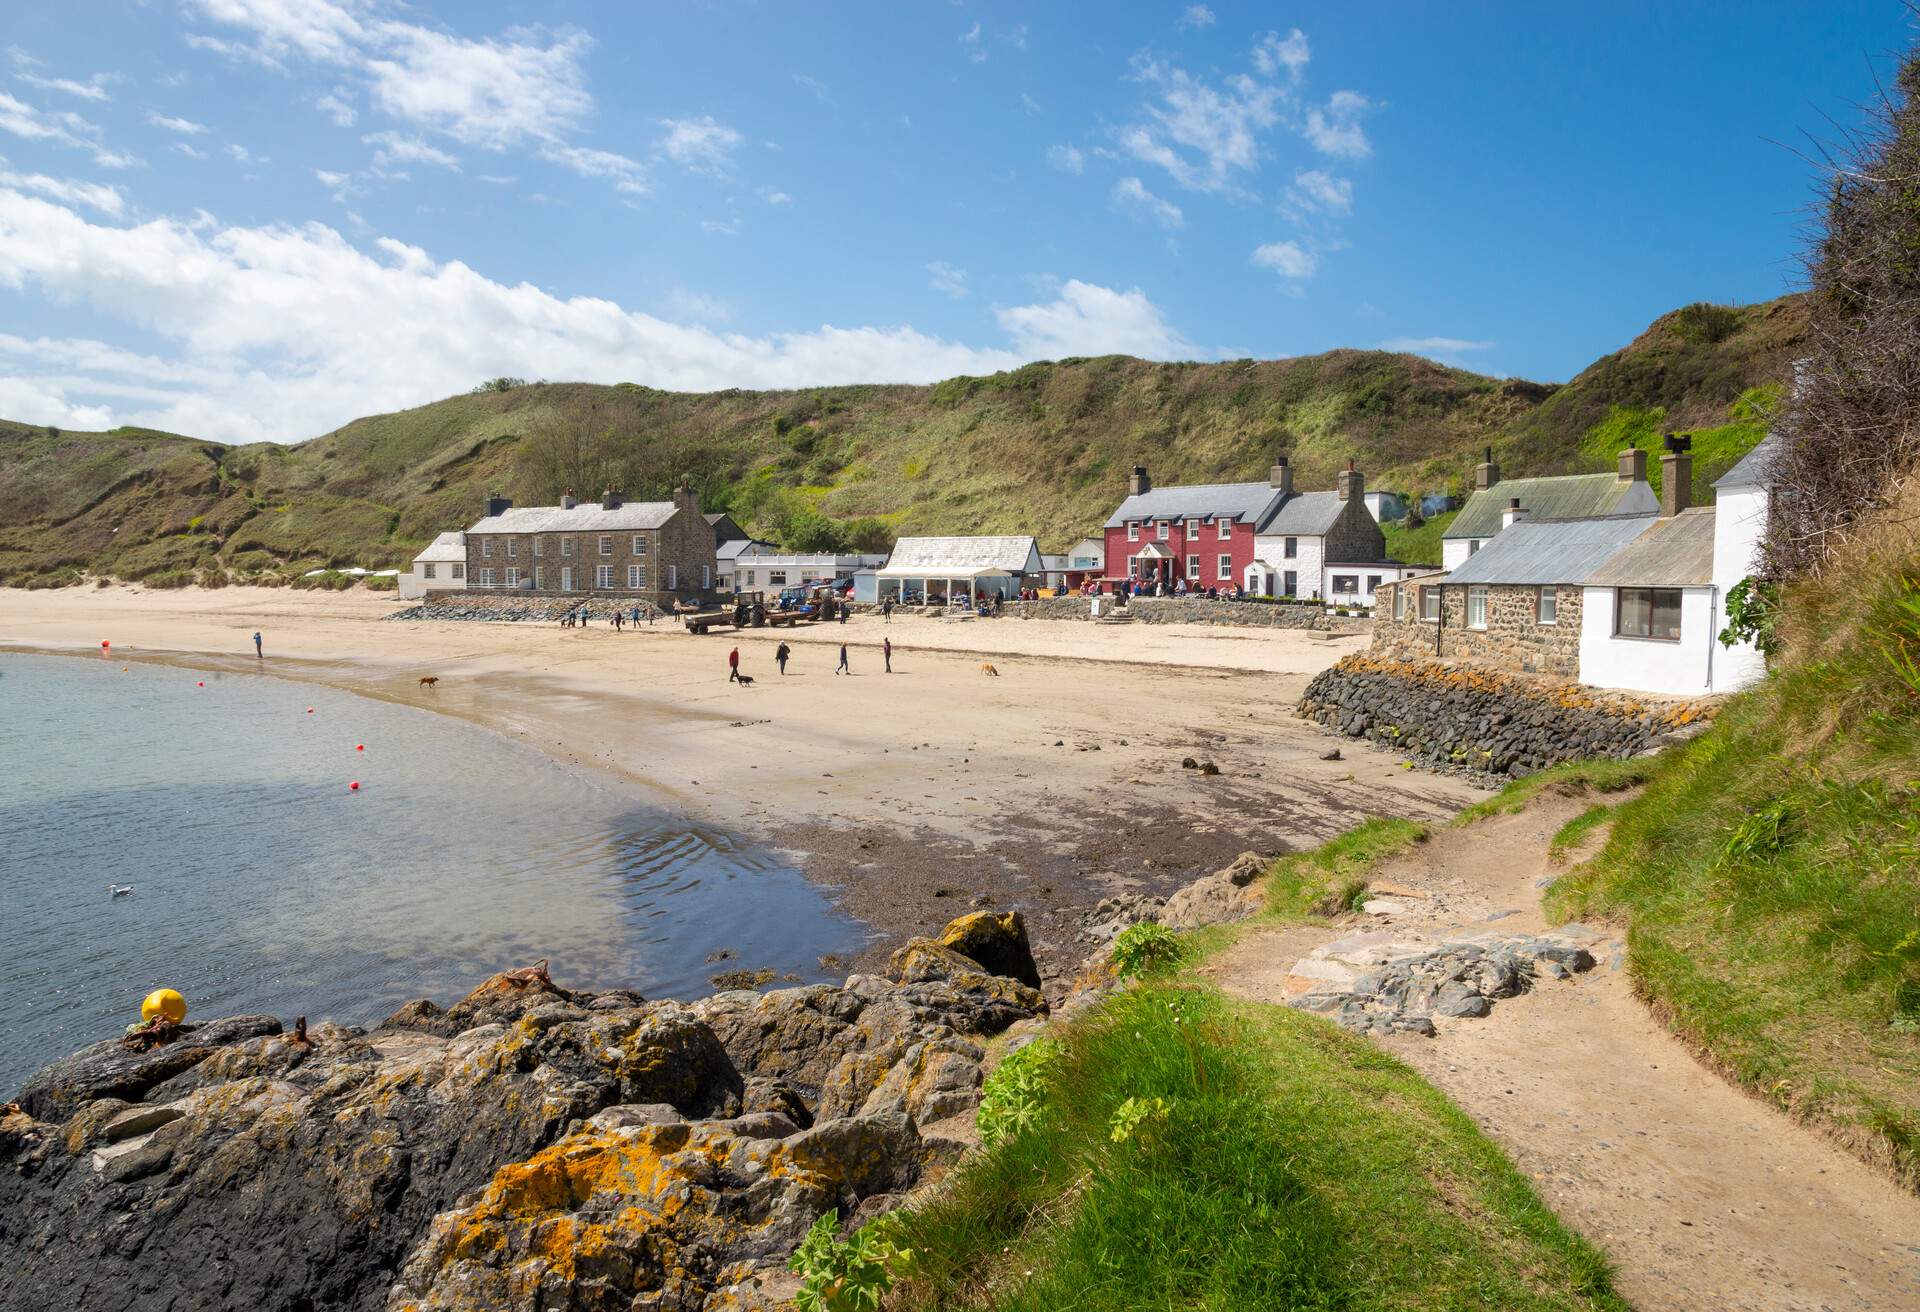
(783, 653)
(620, 619)
(1161, 588)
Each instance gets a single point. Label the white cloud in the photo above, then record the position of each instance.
(1196, 17)
(1067, 159)
(627, 174)
(774, 196)
(94, 88)
(727, 227)
(1028, 103)
(814, 86)
(337, 105)
(1274, 54)
(59, 128)
(398, 148)
(1131, 194)
(700, 307)
(184, 126)
(1088, 319)
(288, 331)
(1335, 129)
(245, 156)
(1321, 192)
(492, 94)
(189, 151)
(948, 279)
(316, 29)
(703, 144)
(1205, 137)
(1286, 258)
(976, 48)
(1447, 350)
(115, 159)
(95, 195)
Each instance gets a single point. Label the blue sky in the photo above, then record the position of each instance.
(251, 219)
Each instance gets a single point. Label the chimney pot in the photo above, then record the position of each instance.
(1352, 483)
(1280, 476)
(1676, 476)
(1138, 483)
(1633, 465)
(1487, 473)
(1513, 512)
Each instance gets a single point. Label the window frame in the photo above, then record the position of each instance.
(426, 569)
(1290, 548)
(566, 545)
(539, 578)
(1163, 530)
(1653, 595)
(1192, 529)
(512, 579)
(1225, 523)
(1477, 592)
(459, 571)
(635, 579)
(1193, 568)
(1224, 567)
(776, 578)
(1351, 580)
(513, 547)
(486, 578)
(606, 544)
(673, 578)
(1432, 591)
(1133, 530)
(486, 548)
(603, 578)
(639, 544)
(539, 546)
(1546, 598)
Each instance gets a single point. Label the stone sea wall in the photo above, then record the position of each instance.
(1489, 722)
(527, 608)
(1198, 610)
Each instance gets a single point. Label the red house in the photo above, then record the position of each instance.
(1203, 533)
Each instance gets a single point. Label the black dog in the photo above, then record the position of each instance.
(746, 680)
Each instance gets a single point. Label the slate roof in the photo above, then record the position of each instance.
(1305, 515)
(1538, 551)
(447, 546)
(734, 548)
(587, 517)
(1755, 466)
(1563, 496)
(1673, 553)
(1251, 503)
(1013, 554)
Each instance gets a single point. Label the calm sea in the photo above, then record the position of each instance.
(262, 884)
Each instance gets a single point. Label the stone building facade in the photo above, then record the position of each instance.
(1523, 628)
(662, 551)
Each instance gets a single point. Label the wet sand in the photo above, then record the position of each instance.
(917, 795)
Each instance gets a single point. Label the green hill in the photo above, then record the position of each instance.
(1042, 449)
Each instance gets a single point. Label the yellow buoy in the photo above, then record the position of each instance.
(164, 1002)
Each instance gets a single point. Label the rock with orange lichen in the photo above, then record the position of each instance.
(998, 941)
(657, 1216)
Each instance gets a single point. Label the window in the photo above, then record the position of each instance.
(1193, 528)
(1346, 583)
(539, 576)
(1163, 529)
(1290, 584)
(566, 578)
(1193, 567)
(603, 576)
(673, 577)
(566, 546)
(1477, 606)
(539, 546)
(635, 577)
(1373, 583)
(1133, 530)
(459, 571)
(706, 576)
(513, 576)
(1547, 608)
(1430, 604)
(1226, 528)
(776, 578)
(1399, 602)
(606, 544)
(1473, 545)
(1292, 548)
(1652, 613)
(426, 571)
(1226, 569)
(486, 578)
(748, 577)
(513, 547)
(486, 547)
(639, 544)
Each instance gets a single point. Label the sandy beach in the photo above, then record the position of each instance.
(915, 794)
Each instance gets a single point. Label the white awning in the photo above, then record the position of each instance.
(1153, 551)
(940, 572)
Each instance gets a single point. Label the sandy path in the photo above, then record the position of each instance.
(1706, 1198)
(914, 793)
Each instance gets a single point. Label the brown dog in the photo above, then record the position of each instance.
(430, 681)
(986, 668)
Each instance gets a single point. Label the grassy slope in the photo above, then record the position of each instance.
(1042, 449)
(1294, 1166)
(1770, 873)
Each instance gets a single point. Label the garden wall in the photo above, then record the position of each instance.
(1198, 610)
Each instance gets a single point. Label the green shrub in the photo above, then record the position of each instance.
(1013, 1097)
(1144, 949)
(847, 1275)
(381, 583)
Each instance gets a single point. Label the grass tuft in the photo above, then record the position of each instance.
(1574, 832)
(1569, 779)
(1332, 878)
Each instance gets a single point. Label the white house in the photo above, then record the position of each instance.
(1563, 496)
(774, 569)
(1740, 502)
(442, 567)
(929, 570)
(1385, 507)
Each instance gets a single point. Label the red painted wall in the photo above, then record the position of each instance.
(1207, 546)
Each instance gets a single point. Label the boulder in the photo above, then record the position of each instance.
(998, 941)
(1225, 894)
(107, 1070)
(503, 999)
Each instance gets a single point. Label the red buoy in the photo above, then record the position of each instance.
(354, 787)
(201, 684)
(309, 710)
(359, 747)
(105, 644)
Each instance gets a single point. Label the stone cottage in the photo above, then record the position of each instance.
(658, 551)
(1562, 496)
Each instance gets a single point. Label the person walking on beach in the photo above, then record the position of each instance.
(780, 655)
(843, 667)
(886, 610)
(843, 610)
(733, 666)
(256, 646)
(886, 653)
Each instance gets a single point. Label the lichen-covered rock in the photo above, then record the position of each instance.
(107, 1070)
(655, 1216)
(998, 941)
(503, 999)
(1224, 895)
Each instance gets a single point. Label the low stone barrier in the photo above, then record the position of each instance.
(1486, 721)
(1197, 610)
(532, 608)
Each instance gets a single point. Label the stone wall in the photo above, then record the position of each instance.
(1488, 721)
(1196, 610)
(1513, 640)
(528, 607)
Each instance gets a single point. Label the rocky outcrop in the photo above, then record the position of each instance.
(998, 941)
(1224, 895)
(529, 1147)
(1482, 721)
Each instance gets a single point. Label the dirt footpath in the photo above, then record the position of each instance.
(1705, 1197)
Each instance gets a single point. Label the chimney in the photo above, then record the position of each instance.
(1486, 474)
(1280, 477)
(498, 505)
(611, 500)
(1676, 474)
(1139, 484)
(1633, 465)
(1513, 512)
(1353, 484)
(567, 502)
(686, 498)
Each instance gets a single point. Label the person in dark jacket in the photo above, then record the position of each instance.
(780, 655)
(843, 667)
(886, 653)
